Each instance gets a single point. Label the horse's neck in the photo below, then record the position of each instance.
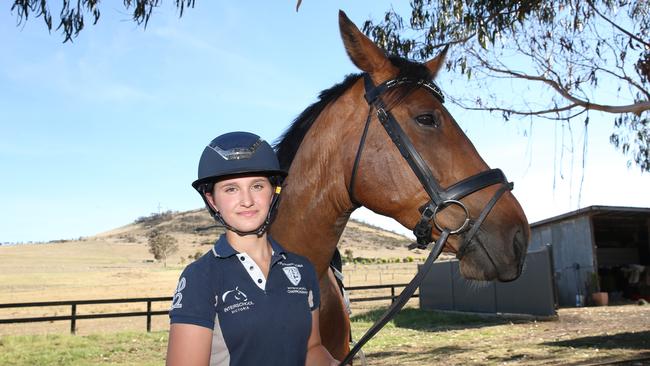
(315, 204)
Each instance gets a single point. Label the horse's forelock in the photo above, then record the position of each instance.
(410, 69)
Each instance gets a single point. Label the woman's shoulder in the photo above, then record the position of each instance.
(295, 257)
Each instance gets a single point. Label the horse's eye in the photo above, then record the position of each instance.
(428, 120)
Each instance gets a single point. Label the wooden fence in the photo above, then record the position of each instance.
(74, 315)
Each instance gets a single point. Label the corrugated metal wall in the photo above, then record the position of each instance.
(573, 256)
(443, 288)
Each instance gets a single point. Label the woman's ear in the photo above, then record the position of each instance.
(209, 197)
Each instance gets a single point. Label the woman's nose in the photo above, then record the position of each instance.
(246, 198)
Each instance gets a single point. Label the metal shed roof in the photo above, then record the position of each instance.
(599, 211)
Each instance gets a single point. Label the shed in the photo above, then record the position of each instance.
(597, 249)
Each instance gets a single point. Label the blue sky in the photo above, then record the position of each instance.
(96, 133)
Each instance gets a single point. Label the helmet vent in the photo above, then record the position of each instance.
(236, 153)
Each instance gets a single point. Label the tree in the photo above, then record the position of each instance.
(161, 245)
(72, 14)
(582, 53)
(349, 255)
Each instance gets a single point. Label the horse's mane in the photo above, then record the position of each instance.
(287, 145)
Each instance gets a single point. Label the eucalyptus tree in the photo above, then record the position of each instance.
(73, 14)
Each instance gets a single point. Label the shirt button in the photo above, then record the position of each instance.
(250, 268)
(242, 258)
(259, 280)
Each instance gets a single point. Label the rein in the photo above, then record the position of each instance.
(439, 198)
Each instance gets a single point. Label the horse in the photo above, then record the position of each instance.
(339, 158)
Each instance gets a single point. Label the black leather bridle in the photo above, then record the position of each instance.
(439, 198)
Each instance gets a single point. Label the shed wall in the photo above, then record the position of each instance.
(443, 288)
(573, 255)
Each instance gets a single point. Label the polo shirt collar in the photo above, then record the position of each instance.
(223, 249)
(278, 252)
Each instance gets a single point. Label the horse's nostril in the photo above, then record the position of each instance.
(516, 244)
(519, 246)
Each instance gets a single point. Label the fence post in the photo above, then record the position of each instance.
(148, 316)
(73, 320)
(392, 294)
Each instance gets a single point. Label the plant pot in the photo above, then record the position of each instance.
(600, 298)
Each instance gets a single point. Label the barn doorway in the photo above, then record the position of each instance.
(622, 247)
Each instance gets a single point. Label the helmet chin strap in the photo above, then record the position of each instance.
(260, 229)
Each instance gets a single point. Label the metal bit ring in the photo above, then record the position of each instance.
(444, 204)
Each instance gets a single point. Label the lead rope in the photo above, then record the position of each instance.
(404, 296)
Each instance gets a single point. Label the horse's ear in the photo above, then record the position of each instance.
(436, 63)
(362, 51)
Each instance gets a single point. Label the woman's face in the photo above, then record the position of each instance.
(243, 202)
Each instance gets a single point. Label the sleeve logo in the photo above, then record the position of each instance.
(178, 295)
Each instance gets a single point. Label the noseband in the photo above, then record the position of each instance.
(439, 198)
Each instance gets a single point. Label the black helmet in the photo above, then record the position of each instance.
(237, 153)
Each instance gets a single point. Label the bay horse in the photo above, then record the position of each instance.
(339, 158)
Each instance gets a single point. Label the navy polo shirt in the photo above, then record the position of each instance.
(255, 320)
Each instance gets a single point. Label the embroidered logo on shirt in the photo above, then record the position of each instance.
(178, 296)
(293, 274)
(238, 301)
(239, 295)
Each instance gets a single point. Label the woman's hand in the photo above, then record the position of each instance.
(317, 355)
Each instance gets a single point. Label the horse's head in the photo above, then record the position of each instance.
(380, 178)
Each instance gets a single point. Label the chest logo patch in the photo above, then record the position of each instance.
(293, 274)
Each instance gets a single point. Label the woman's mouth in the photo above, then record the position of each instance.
(248, 213)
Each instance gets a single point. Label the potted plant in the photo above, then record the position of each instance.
(598, 297)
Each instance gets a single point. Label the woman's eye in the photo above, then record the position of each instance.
(428, 120)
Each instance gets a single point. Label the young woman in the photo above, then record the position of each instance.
(247, 301)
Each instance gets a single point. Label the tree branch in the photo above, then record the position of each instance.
(626, 32)
(636, 108)
(541, 113)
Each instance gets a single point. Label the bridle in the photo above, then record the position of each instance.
(439, 198)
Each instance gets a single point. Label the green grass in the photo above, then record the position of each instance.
(130, 348)
(417, 319)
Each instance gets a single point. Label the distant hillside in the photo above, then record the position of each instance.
(196, 228)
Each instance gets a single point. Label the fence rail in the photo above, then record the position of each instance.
(74, 316)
